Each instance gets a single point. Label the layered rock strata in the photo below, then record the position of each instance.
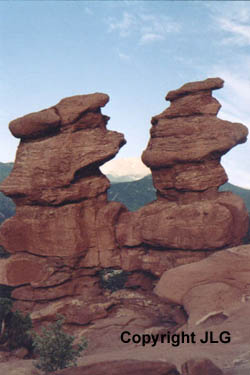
(66, 239)
(63, 234)
(184, 152)
(215, 293)
(125, 367)
(60, 197)
(146, 367)
(211, 289)
(56, 182)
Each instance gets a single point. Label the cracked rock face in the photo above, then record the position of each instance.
(187, 144)
(125, 367)
(56, 178)
(61, 149)
(184, 152)
(65, 232)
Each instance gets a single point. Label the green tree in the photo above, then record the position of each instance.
(18, 328)
(14, 327)
(55, 348)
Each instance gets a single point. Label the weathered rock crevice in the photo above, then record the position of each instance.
(65, 232)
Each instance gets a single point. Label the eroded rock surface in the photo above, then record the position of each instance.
(125, 367)
(184, 151)
(213, 285)
(215, 293)
(61, 201)
(202, 366)
(75, 253)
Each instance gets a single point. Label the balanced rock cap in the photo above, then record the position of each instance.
(35, 124)
(49, 120)
(193, 87)
(69, 109)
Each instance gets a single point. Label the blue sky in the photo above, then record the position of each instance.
(135, 51)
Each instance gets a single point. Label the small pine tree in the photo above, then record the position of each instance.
(14, 327)
(55, 348)
(5, 310)
(5, 307)
(18, 328)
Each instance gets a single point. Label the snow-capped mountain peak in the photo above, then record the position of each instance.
(125, 169)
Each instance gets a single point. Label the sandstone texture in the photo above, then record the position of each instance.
(124, 367)
(184, 151)
(212, 289)
(61, 201)
(215, 294)
(74, 253)
(202, 366)
(65, 257)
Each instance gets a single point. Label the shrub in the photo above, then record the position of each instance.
(55, 348)
(5, 307)
(113, 279)
(14, 327)
(18, 328)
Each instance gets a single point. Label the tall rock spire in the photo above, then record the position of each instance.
(184, 151)
(187, 142)
(56, 171)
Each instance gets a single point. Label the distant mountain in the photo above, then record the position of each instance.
(133, 194)
(7, 207)
(243, 193)
(137, 193)
(125, 169)
(5, 169)
(117, 179)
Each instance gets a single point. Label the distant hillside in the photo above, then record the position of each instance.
(7, 207)
(243, 193)
(125, 169)
(134, 194)
(117, 179)
(137, 193)
(5, 169)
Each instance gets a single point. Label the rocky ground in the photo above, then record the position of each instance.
(233, 359)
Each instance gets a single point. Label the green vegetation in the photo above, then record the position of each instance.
(5, 309)
(55, 348)
(7, 207)
(5, 169)
(243, 193)
(136, 194)
(133, 194)
(113, 279)
(15, 327)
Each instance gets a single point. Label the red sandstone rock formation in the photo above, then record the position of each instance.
(200, 366)
(65, 233)
(61, 201)
(187, 142)
(216, 285)
(125, 367)
(215, 293)
(56, 182)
